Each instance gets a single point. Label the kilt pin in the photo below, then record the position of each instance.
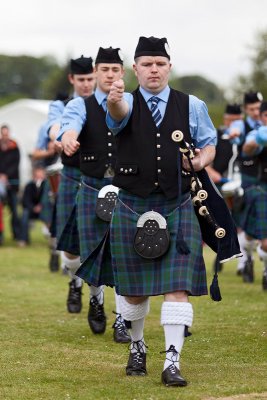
(66, 211)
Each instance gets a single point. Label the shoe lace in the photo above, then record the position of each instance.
(138, 355)
(137, 359)
(75, 293)
(119, 323)
(174, 358)
(98, 308)
(139, 346)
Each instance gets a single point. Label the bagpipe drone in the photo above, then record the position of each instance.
(216, 223)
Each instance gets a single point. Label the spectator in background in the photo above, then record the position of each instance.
(2, 197)
(44, 154)
(31, 203)
(9, 172)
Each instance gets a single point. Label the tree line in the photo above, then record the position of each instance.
(42, 78)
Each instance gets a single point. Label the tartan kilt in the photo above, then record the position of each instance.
(95, 254)
(66, 229)
(136, 276)
(246, 182)
(254, 216)
(47, 203)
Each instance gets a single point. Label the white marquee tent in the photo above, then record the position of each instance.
(25, 118)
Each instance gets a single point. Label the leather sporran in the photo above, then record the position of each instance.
(152, 238)
(106, 202)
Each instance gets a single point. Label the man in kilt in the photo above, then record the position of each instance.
(150, 177)
(249, 169)
(84, 129)
(45, 154)
(82, 78)
(255, 213)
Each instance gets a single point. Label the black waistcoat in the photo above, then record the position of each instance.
(74, 160)
(248, 165)
(146, 155)
(262, 159)
(223, 152)
(97, 142)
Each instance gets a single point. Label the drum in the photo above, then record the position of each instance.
(232, 192)
(53, 175)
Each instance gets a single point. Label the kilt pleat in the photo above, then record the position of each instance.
(69, 238)
(95, 266)
(67, 230)
(254, 215)
(246, 182)
(136, 276)
(47, 204)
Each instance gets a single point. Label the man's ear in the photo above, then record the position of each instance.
(135, 69)
(70, 77)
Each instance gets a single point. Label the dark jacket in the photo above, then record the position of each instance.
(9, 163)
(32, 195)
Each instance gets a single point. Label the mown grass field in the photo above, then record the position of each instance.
(46, 353)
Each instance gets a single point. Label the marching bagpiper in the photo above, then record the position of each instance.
(84, 128)
(249, 168)
(81, 76)
(156, 244)
(255, 213)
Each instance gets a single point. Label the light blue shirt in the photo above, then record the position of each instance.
(251, 137)
(55, 112)
(201, 127)
(240, 125)
(74, 115)
(43, 139)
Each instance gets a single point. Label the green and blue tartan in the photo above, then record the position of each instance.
(95, 255)
(254, 216)
(246, 182)
(66, 228)
(136, 276)
(47, 203)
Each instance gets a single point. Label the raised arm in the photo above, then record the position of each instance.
(255, 141)
(69, 142)
(117, 106)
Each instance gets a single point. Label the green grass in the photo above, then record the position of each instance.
(46, 353)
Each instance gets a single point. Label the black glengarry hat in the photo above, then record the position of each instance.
(152, 46)
(81, 66)
(233, 109)
(263, 106)
(109, 56)
(252, 97)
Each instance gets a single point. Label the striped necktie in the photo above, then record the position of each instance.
(104, 104)
(155, 110)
